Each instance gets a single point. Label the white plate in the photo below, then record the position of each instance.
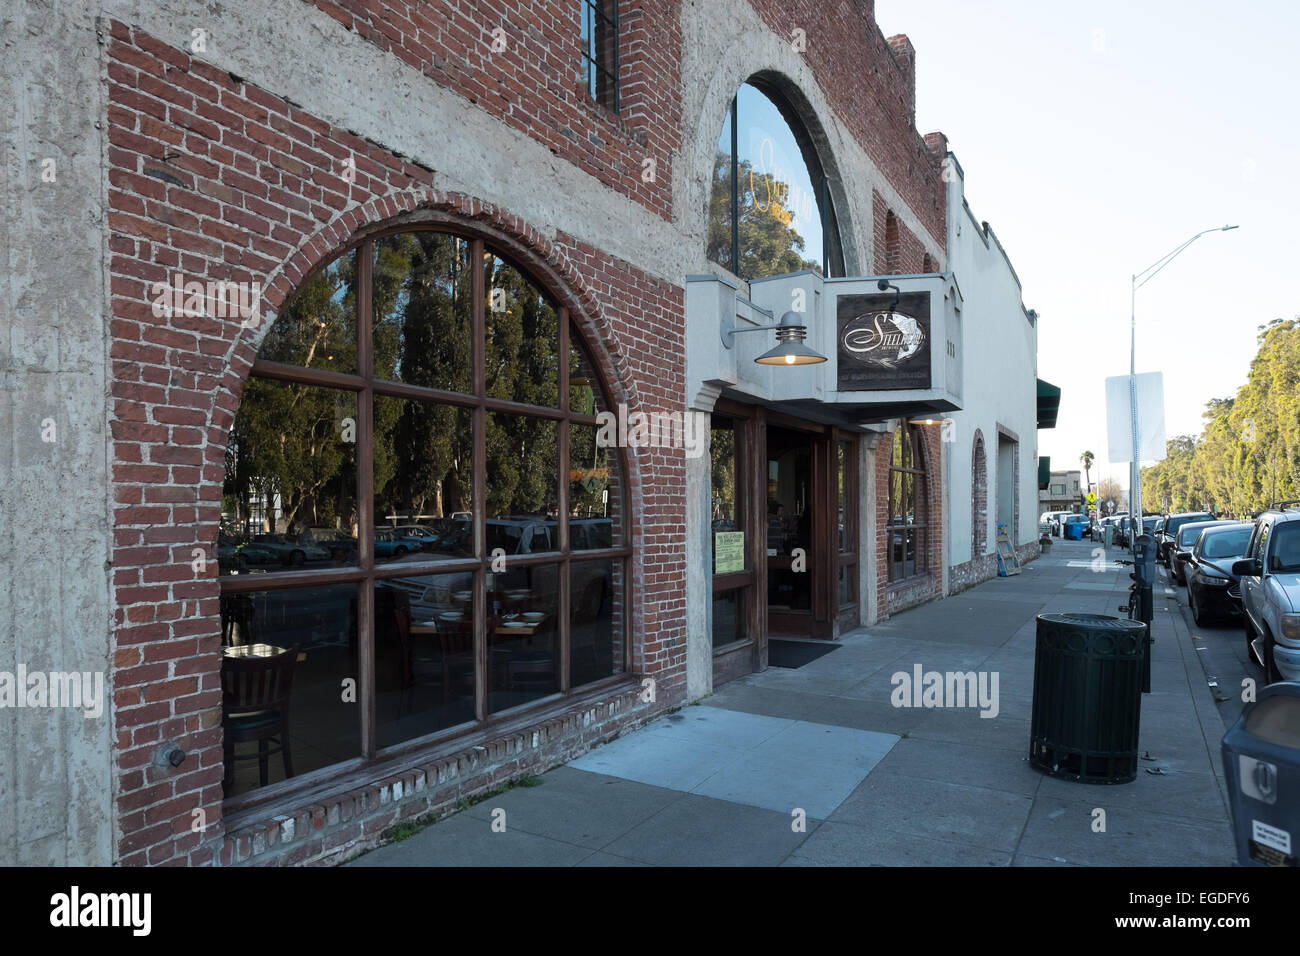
(533, 615)
(517, 624)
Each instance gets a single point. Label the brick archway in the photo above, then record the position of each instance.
(192, 627)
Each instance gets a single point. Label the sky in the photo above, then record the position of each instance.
(1096, 138)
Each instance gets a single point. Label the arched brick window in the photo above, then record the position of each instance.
(909, 498)
(421, 532)
(979, 504)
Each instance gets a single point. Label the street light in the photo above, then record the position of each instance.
(1145, 276)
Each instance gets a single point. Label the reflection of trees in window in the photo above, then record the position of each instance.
(753, 203)
(318, 328)
(291, 444)
(908, 512)
(722, 450)
(767, 245)
(522, 360)
(465, 367)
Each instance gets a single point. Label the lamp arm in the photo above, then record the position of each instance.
(1169, 257)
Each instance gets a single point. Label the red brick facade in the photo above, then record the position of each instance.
(215, 177)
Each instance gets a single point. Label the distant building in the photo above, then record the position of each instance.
(1064, 492)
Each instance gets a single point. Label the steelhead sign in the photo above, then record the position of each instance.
(880, 348)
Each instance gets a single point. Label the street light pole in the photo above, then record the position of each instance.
(1145, 276)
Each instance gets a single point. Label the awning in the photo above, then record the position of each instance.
(1049, 403)
(1044, 470)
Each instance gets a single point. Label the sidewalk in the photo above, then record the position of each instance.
(721, 783)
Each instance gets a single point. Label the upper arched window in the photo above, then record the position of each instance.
(419, 528)
(770, 208)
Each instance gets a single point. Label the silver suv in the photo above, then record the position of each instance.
(1270, 591)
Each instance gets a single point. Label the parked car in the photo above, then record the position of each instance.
(1123, 527)
(1165, 542)
(1270, 592)
(291, 551)
(391, 544)
(1183, 542)
(1213, 590)
(341, 546)
(425, 536)
(590, 581)
(235, 554)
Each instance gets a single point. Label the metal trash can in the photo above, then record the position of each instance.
(1087, 697)
(1261, 760)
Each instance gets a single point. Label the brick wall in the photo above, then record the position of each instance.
(215, 178)
(898, 251)
(534, 83)
(870, 84)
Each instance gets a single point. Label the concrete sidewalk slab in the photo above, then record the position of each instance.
(771, 763)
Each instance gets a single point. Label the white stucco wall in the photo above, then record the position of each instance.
(1000, 345)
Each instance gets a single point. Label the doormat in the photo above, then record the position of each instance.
(795, 653)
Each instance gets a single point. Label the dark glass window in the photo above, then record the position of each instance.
(393, 522)
(600, 51)
(769, 209)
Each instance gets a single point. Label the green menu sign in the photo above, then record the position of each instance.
(728, 551)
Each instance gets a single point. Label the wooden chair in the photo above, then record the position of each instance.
(255, 707)
(236, 620)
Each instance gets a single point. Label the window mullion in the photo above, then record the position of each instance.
(365, 502)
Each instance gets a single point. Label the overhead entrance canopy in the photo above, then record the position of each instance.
(1049, 404)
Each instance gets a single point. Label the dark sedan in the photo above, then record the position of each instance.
(1213, 591)
(1182, 548)
(1164, 544)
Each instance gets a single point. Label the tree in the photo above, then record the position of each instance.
(1248, 454)
(1087, 458)
(1109, 496)
(768, 245)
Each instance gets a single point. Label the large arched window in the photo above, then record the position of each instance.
(908, 503)
(770, 210)
(420, 531)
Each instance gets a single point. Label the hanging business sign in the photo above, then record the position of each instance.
(879, 347)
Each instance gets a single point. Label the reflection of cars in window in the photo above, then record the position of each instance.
(342, 547)
(291, 551)
(425, 537)
(393, 544)
(522, 535)
(235, 555)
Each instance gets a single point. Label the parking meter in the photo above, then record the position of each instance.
(1261, 761)
(1144, 570)
(1144, 560)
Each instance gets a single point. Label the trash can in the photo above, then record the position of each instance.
(1074, 531)
(1087, 697)
(1261, 761)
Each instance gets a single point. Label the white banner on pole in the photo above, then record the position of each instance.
(1151, 418)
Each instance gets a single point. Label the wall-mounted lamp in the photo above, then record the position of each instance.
(790, 336)
(929, 421)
